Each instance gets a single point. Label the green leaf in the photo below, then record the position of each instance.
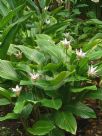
(3, 8)
(33, 5)
(77, 90)
(95, 21)
(83, 63)
(95, 54)
(43, 37)
(4, 101)
(97, 94)
(26, 111)
(66, 121)
(7, 71)
(56, 27)
(81, 110)
(52, 67)
(5, 93)
(19, 107)
(41, 127)
(10, 15)
(56, 132)
(9, 116)
(53, 84)
(23, 99)
(32, 54)
(56, 53)
(52, 103)
(6, 42)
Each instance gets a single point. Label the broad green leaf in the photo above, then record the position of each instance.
(76, 78)
(89, 88)
(53, 84)
(52, 67)
(9, 34)
(4, 9)
(52, 103)
(91, 44)
(9, 116)
(81, 110)
(33, 5)
(95, 54)
(5, 93)
(56, 53)
(57, 27)
(41, 127)
(32, 54)
(23, 82)
(19, 107)
(95, 21)
(23, 99)
(7, 71)
(56, 132)
(10, 15)
(97, 94)
(4, 101)
(66, 121)
(6, 42)
(43, 37)
(26, 111)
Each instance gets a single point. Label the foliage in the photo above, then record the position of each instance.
(53, 77)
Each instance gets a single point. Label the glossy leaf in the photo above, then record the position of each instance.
(66, 121)
(81, 110)
(32, 54)
(7, 71)
(5, 93)
(9, 116)
(90, 88)
(41, 127)
(4, 101)
(53, 84)
(52, 103)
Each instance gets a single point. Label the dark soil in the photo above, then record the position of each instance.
(86, 127)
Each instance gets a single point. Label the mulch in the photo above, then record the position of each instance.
(86, 127)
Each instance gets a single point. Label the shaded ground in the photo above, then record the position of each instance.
(89, 127)
(10, 128)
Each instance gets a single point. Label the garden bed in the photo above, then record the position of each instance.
(86, 127)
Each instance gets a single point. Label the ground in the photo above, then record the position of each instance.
(86, 127)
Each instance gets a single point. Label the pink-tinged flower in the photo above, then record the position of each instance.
(18, 55)
(17, 90)
(80, 53)
(92, 71)
(65, 42)
(34, 76)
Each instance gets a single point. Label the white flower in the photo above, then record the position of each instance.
(47, 21)
(34, 76)
(80, 53)
(65, 42)
(92, 72)
(46, 8)
(96, 1)
(18, 55)
(17, 89)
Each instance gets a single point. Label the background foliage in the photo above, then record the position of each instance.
(54, 82)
